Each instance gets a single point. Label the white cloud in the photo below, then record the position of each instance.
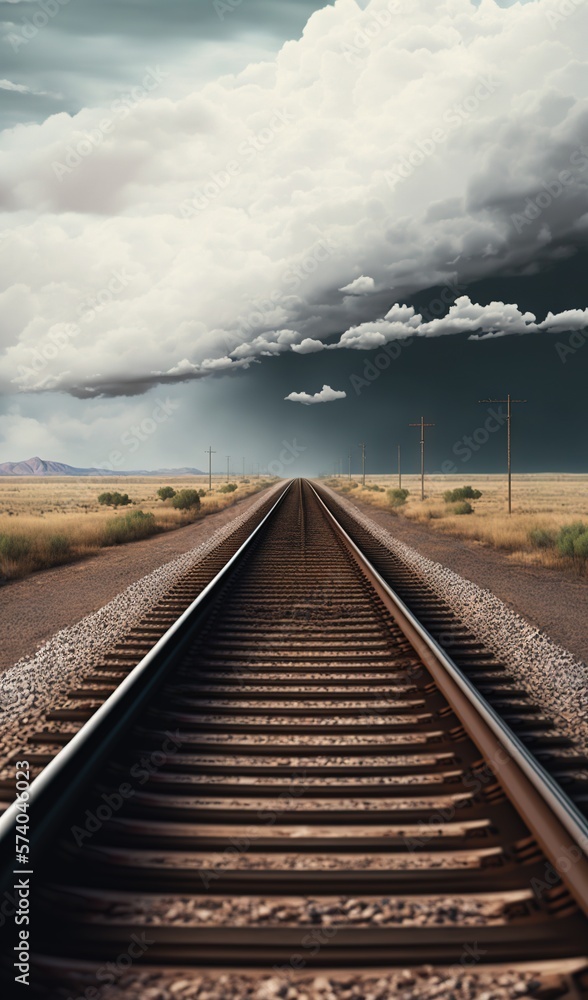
(496, 319)
(308, 346)
(237, 213)
(360, 286)
(21, 88)
(326, 395)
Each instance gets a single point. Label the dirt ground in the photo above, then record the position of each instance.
(553, 600)
(33, 609)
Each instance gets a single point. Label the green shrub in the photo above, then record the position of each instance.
(540, 538)
(129, 528)
(14, 547)
(568, 536)
(114, 499)
(228, 488)
(186, 500)
(201, 493)
(397, 497)
(461, 493)
(59, 546)
(581, 547)
(462, 507)
(166, 493)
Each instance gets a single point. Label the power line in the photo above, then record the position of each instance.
(509, 400)
(422, 426)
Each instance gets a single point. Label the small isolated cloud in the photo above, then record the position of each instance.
(21, 88)
(326, 395)
(308, 346)
(360, 286)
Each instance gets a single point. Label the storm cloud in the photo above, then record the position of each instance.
(164, 237)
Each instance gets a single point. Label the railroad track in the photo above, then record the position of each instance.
(297, 777)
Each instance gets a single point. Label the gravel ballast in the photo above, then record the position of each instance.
(29, 687)
(458, 982)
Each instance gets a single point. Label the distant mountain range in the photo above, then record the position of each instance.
(39, 467)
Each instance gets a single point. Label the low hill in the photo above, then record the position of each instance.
(40, 467)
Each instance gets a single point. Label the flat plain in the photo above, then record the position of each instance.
(47, 521)
(543, 505)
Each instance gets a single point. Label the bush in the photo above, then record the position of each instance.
(129, 528)
(201, 493)
(14, 547)
(462, 493)
(166, 493)
(186, 500)
(581, 547)
(572, 540)
(59, 546)
(229, 488)
(540, 538)
(462, 507)
(114, 499)
(397, 497)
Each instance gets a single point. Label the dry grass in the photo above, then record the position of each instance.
(542, 506)
(46, 522)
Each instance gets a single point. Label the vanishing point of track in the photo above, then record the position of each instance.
(296, 770)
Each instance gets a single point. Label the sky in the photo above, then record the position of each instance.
(284, 228)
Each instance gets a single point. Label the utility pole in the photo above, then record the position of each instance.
(228, 468)
(422, 426)
(210, 453)
(350, 463)
(399, 468)
(362, 446)
(509, 401)
(243, 476)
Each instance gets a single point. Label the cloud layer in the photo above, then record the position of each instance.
(326, 395)
(157, 240)
(498, 319)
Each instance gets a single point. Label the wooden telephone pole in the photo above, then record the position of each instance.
(422, 426)
(362, 446)
(210, 453)
(509, 401)
(399, 468)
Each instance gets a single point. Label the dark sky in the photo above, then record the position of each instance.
(441, 379)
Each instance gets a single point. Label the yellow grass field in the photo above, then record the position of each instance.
(53, 520)
(542, 506)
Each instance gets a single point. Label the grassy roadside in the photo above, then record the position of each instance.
(548, 527)
(48, 523)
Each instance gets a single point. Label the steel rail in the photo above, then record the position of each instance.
(558, 826)
(52, 792)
